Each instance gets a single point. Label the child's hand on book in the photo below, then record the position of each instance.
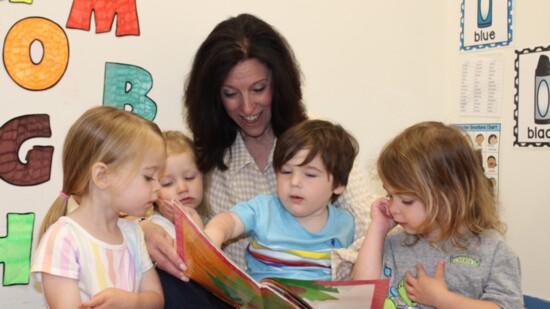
(223, 227)
(214, 235)
(189, 211)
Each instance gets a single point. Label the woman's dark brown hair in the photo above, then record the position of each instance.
(232, 41)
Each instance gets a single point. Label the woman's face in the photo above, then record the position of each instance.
(246, 94)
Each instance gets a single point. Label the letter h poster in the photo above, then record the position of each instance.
(485, 23)
(532, 99)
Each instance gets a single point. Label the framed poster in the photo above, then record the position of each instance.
(532, 99)
(485, 23)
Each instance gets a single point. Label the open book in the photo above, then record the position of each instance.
(208, 266)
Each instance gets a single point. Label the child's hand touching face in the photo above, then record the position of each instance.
(165, 208)
(381, 215)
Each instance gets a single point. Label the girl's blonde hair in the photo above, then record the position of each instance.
(438, 164)
(102, 134)
(176, 143)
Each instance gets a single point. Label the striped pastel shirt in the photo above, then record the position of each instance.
(281, 247)
(243, 180)
(67, 250)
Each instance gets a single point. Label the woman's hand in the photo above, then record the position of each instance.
(161, 248)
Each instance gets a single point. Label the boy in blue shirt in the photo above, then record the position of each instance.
(294, 231)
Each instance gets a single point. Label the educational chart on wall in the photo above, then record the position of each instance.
(532, 99)
(481, 86)
(485, 23)
(486, 138)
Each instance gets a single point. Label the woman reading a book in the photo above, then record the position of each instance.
(243, 91)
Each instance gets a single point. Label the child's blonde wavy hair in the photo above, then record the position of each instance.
(176, 143)
(102, 134)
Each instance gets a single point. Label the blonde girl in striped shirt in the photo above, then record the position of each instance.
(90, 257)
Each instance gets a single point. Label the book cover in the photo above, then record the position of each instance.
(210, 267)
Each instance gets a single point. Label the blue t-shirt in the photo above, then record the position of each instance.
(283, 248)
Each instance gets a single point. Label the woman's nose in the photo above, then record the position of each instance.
(248, 104)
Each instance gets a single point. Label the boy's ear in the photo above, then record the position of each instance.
(339, 190)
(100, 177)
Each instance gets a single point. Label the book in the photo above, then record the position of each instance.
(212, 269)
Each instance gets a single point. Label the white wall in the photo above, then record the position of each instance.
(376, 67)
